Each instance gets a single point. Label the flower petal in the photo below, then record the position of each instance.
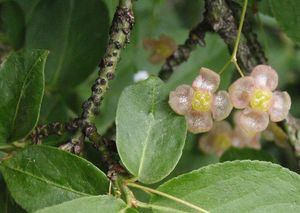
(241, 139)
(180, 99)
(252, 121)
(240, 92)
(280, 107)
(199, 122)
(217, 140)
(222, 106)
(265, 76)
(207, 80)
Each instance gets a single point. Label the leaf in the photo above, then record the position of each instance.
(191, 153)
(246, 154)
(93, 204)
(21, 92)
(150, 137)
(239, 186)
(76, 37)
(41, 176)
(286, 13)
(13, 22)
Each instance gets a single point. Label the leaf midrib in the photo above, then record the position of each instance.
(47, 181)
(152, 110)
(22, 91)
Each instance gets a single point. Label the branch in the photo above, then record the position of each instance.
(292, 128)
(119, 35)
(251, 37)
(222, 22)
(196, 36)
(55, 128)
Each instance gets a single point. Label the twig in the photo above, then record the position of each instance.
(251, 37)
(292, 128)
(171, 197)
(222, 22)
(55, 128)
(119, 35)
(196, 36)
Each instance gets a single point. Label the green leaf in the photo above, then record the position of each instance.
(93, 204)
(75, 32)
(246, 154)
(21, 92)
(239, 186)
(286, 13)
(146, 141)
(14, 23)
(191, 153)
(41, 176)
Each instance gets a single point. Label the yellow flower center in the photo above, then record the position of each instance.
(261, 100)
(222, 142)
(202, 101)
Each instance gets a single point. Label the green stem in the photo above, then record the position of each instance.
(161, 208)
(12, 146)
(235, 49)
(183, 202)
(236, 44)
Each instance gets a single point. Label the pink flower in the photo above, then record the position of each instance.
(255, 94)
(222, 136)
(199, 103)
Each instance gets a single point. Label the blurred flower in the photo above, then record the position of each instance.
(199, 103)
(140, 76)
(255, 95)
(161, 48)
(222, 136)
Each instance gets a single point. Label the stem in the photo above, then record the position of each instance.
(119, 35)
(196, 36)
(183, 202)
(12, 146)
(236, 44)
(234, 61)
(162, 208)
(240, 29)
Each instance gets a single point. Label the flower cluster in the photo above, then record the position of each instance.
(254, 94)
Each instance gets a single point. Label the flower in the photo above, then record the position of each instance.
(199, 103)
(161, 48)
(222, 136)
(255, 94)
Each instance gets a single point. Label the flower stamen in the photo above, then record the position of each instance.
(202, 101)
(261, 100)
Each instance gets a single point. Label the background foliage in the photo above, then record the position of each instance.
(75, 34)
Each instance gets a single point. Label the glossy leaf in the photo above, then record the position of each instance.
(238, 186)
(21, 92)
(150, 137)
(93, 204)
(76, 37)
(286, 13)
(41, 176)
(246, 154)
